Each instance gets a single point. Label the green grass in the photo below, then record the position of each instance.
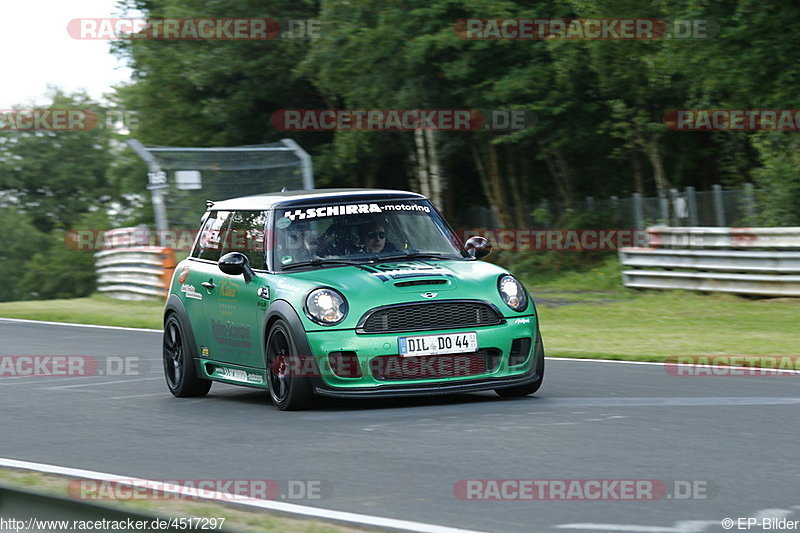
(587, 314)
(96, 309)
(650, 326)
(591, 314)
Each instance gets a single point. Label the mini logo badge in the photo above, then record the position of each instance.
(429, 295)
(263, 292)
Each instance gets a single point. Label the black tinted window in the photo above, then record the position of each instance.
(209, 244)
(245, 234)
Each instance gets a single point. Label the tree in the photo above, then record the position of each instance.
(216, 92)
(748, 66)
(55, 176)
(599, 103)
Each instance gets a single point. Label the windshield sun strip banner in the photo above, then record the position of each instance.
(304, 213)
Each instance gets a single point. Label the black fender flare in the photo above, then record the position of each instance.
(281, 309)
(175, 305)
(538, 353)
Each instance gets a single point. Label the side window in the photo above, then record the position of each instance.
(245, 234)
(209, 245)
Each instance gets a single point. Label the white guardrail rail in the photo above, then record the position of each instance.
(134, 272)
(758, 261)
(716, 238)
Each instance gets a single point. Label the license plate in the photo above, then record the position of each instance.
(438, 344)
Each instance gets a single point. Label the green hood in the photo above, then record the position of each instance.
(373, 285)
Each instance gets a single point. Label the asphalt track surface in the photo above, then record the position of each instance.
(737, 436)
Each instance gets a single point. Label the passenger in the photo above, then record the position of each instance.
(301, 243)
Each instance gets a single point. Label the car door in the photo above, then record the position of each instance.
(235, 309)
(200, 279)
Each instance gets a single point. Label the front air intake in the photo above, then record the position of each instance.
(420, 282)
(520, 349)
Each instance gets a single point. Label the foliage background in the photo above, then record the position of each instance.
(599, 108)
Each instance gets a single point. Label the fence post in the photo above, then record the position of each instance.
(663, 205)
(156, 183)
(673, 198)
(719, 207)
(590, 203)
(691, 200)
(638, 211)
(749, 203)
(615, 209)
(305, 162)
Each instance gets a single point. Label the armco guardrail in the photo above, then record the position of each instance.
(136, 272)
(758, 261)
(721, 238)
(713, 260)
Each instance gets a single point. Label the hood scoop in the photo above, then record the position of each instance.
(417, 282)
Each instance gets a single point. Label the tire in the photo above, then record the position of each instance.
(529, 388)
(179, 368)
(288, 393)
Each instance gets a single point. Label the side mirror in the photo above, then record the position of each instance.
(235, 263)
(478, 246)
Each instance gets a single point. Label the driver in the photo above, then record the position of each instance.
(373, 238)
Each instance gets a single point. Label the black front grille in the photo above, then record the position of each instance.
(429, 316)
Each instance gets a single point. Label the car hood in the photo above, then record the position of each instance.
(376, 284)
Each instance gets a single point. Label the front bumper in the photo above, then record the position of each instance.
(433, 389)
(368, 347)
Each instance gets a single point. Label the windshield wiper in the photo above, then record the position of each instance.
(415, 255)
(320, 262)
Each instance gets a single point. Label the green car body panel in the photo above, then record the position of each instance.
(227, 318)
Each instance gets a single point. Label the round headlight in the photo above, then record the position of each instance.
(512, 292)
(326, 307)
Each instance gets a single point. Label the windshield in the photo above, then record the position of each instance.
(334, 234)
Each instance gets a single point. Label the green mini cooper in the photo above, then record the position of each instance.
(349, 293)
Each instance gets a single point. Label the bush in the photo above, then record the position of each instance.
(554, 261)
(60, 272)
(778, 179)
(20, 242)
